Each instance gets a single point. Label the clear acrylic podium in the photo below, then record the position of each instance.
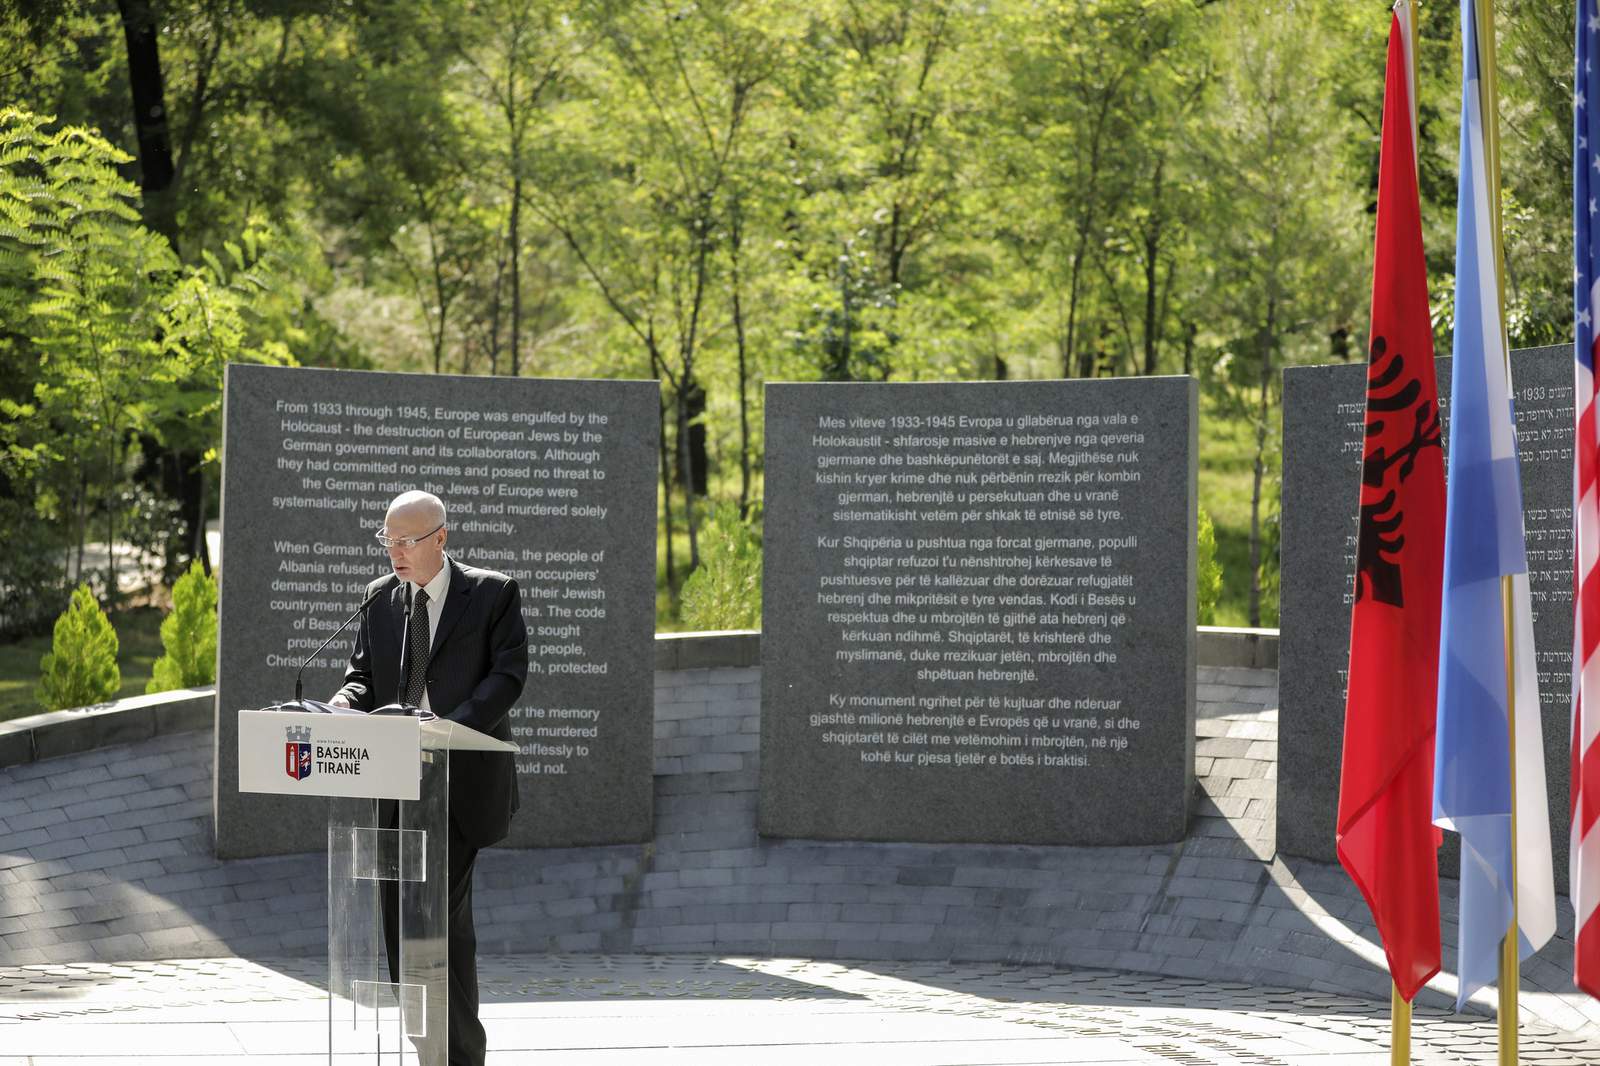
(388, 932)
(388, 890)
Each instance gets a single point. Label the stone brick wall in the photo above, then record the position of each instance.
(105, 855)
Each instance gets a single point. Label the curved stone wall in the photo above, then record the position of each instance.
(105, 855)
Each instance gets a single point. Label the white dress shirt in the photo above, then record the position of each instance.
(436, 589)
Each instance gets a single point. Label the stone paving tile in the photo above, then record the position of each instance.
(740, 1009)
(1217, 905)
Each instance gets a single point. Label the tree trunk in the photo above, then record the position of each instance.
(111, 526)
(1067, 369)
(441, 299)
(1152, 256)
(836, 351)
(689, 392)
(80, 507)
(735, 246)
(1339, 345)
(139, 28)
(666, 479)
(494, 317)
(1255, 523)
(183, 479)
(157, 173)
(1268, 336)
(1085, 224)
(694, 471)
(200, 550)
(1152, 253)
(516, 275)
(686, 468)
(516, 199)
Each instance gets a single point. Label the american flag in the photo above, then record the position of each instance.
(1585, 845)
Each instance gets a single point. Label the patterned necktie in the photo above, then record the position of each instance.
(417, 651)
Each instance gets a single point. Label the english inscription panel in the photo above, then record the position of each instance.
(549, 481)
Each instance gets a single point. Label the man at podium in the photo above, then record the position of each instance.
(450, 639)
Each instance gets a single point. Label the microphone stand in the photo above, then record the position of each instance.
(405, 652)
(299, 677)
(406, 664)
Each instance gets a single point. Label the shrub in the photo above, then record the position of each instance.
(724, 592)
(1208, 572)
(188, 635)
(81, 667)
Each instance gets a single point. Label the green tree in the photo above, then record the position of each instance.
(129, 347)
(1282, 226)
(188, 635)
(882, 146)
(1208, 572)
(86, 281)
(1536, 104)
(1099, 96)
(81, 666)
(639, 196)
(724, 592)
(241, 309)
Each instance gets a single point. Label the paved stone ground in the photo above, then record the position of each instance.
(667, 1009)
(105, 858)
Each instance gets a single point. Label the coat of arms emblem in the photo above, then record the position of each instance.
(297, 752)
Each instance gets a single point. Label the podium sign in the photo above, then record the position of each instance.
(294, 753)
(388, 865)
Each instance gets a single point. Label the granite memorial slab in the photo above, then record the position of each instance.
(1323, 413)
(978, 618)
(549, 481)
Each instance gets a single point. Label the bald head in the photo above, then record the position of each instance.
(424, 506)
(417, 516)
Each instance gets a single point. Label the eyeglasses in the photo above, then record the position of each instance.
(405, 543)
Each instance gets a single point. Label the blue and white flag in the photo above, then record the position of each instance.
(1473, 773)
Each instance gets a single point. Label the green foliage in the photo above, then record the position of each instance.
(116, 342)
(724, 592)
(1536, 105)
(81, 666)
(188, 635)
(729, 192)
(1208, 572)
(32, 579)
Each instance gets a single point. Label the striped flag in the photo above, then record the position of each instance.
(1484, 542)
(1385, 836)
(1585, 840)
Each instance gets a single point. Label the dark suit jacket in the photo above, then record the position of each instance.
(476, 671)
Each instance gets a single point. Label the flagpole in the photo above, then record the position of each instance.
(1399, 1006)
(1489, 108)
(1399, 1027)
(1407, 10)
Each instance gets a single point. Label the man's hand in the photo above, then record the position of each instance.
(340, 700)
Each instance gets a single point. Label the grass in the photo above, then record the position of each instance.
(139, 645)
(1227, 458)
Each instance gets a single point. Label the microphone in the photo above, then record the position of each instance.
(405, 669)
(299, 674)
(405, 648)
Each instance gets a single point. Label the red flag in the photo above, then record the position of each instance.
(1386, 837)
